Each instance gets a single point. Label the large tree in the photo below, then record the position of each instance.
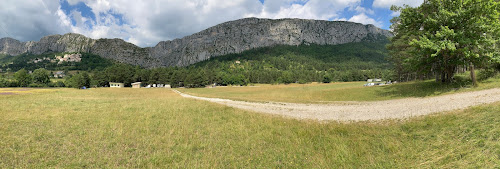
(23, 78)
(442, 35)
(41, 76)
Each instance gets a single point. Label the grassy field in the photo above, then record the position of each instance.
(70, 128)
(328, 92)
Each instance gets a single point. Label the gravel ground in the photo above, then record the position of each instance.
(365, 111)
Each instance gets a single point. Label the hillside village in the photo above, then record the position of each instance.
(76, 57)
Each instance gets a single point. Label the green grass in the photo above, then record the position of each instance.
(343, 91)
(102, 128)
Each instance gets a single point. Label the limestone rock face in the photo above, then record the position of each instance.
(11, 46)
(226, 38)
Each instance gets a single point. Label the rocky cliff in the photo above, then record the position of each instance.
(229, 37)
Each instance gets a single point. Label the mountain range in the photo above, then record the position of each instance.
(225, 38)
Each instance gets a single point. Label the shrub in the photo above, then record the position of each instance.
(485, 74)
(302, 81)
(37, 85)
(13, 84)
(56, 84)
(4, 83)
(326, 79)
(59, 84)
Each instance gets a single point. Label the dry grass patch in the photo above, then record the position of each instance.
(103, 128)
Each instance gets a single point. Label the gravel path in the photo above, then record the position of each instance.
(365, 111)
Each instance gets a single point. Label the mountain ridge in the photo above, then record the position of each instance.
(225, 38)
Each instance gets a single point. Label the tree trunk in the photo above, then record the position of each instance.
(473, 75)
(443, 76)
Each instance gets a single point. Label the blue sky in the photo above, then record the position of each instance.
(145, 23)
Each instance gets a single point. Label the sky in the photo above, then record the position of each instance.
(147, 22)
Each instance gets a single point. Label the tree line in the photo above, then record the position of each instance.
(271, 65)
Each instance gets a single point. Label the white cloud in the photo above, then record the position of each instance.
(145, 23)
(30, 20)
(312, 9)
(362, 18)
(360, 9)
(389, 3)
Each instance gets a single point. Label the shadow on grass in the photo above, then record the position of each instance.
(422, 88)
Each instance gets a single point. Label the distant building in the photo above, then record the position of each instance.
(136, 85)
(116, 85)
(376, 82)
(237, 62)
(167, 86)
(69, 58)
(59, 74)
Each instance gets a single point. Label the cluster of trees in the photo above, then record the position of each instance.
(443, 37)
(201, 76)
(39, 78)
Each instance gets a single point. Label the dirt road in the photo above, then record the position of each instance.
(364, 111)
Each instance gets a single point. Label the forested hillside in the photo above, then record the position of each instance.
(48, 61)
(278, 64)
(303, 63)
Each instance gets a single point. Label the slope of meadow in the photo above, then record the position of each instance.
(331, 92)
(158, 128)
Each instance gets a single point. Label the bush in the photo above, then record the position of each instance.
(302, 81)
(326, 79)
(57, 84)
(78, 81)
(37, 85)
(13, 84)
(4, 83)
(485, 74)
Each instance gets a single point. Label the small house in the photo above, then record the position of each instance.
(136, 85)
(116, 85)
(59, 74)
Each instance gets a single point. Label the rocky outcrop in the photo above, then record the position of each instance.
(226, 38)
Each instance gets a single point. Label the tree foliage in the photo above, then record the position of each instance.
(79, 80)
(41, 76)
(441, 36)
(23, 78)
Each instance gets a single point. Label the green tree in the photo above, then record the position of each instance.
(23, 78)
(41, 76)
(99, 79)
(121, 73)
(442, 35)
(327, 78)
(79, 80)
(4, 82)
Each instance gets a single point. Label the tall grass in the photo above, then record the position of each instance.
(102, 128)
(345, 91)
